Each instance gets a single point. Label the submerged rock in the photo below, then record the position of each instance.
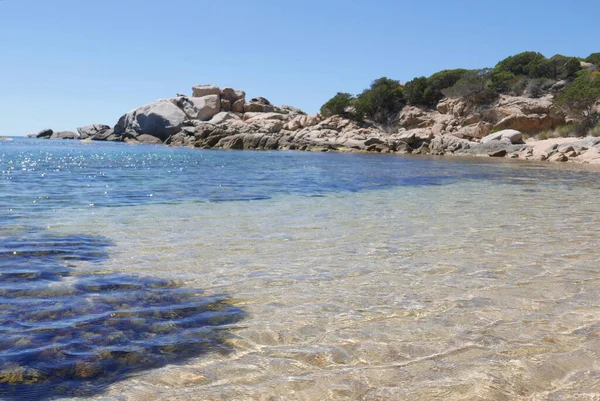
(86, 331)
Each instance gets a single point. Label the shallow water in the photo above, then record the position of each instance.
(349, 276)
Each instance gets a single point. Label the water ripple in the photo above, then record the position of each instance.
(69, 334)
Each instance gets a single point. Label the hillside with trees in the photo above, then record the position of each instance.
(572, 83)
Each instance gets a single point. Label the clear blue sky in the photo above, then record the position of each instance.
(68, 63)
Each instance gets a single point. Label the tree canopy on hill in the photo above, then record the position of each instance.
(429, 91)
(593, 58)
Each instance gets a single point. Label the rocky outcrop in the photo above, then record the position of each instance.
(97, 132)
(222, 118)
(44, 134)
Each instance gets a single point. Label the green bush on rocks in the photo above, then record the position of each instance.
(385, 96)
(337, 104)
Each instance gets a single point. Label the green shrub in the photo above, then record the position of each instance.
(525, 63)
(385, 96)
(558, 67)
(474, 87)
(337, 104)
(443, 80)
(417, 92)
(428, 91)
(534, 66)
(579, 98)
(501, 81)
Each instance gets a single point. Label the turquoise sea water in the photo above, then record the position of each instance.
(148, 272)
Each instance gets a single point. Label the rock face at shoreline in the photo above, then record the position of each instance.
(222, 118)
(44, 134)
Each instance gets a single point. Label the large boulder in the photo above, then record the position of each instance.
(96, 132)
(199, 108)
(205, 90)
(478, 130)
(508, 135)
(45, 133)
(161, 119)
(448, 143)
(413, 117)
(232, 95)
(258, 105)
(415, 137)
(528, 123)
(238, 106)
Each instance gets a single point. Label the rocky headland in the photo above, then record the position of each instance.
(504, 125)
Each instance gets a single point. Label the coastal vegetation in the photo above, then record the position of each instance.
(573, 82)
